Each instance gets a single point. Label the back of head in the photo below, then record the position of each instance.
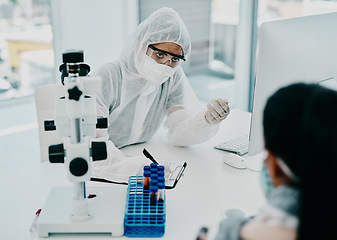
(300, 127)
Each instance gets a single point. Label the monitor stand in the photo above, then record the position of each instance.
(106, 210)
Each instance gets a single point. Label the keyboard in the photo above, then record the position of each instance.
(237, 145)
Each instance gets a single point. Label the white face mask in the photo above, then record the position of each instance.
(154, 72)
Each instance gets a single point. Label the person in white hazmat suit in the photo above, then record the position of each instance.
(145, 85)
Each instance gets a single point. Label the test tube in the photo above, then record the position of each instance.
(161, 191)
(161, 179)
(153, 165)
(154, 170)
(161, 174)
(147, 180)
(153, 181)
(154, 193)
(161, 168)
(153, 176)
(147, 168)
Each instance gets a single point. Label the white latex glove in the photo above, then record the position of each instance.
(218, 112)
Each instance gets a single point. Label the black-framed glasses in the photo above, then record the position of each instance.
(182, 57)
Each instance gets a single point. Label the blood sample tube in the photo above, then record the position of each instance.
(154, 176)
(161, 179)
(147, 180)
(147, 168)
(161, 192)
(153, 181)
(161, 174)
(154, 193)
(161, 168)
(154, 170)
(161, 171)
(153, 165)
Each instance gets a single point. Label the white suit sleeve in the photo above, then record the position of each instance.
(185, 130)
(117, 167)
(186, 120)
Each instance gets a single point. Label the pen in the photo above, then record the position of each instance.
(32, 227)
(149, 156)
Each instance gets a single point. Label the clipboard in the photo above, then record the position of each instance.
(177, 168)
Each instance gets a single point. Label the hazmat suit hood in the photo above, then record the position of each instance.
(136, 104)
(135, 101)
(163, 25)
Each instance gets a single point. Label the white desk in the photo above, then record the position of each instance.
(206, 190)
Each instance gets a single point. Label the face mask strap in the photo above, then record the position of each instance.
(287, 171)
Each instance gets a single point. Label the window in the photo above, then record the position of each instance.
(26, 51)
(224, 22)
(280, 9)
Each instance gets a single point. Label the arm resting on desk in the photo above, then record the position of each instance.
(117, 167)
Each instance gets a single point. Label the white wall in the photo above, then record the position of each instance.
(99, 28)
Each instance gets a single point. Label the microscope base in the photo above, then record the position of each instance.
(106, 210)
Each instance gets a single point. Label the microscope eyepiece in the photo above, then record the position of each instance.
(72, 56)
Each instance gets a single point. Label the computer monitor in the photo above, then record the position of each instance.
(293, 50)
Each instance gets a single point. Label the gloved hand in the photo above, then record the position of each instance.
(218, 112)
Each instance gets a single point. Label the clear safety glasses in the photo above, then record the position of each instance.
(162, 57)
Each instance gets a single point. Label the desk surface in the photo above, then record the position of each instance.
(206, 190)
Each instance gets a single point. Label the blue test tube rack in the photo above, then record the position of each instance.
(142, 219)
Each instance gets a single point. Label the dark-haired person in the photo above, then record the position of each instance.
(299, 172)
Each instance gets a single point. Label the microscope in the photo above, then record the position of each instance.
(78, 209)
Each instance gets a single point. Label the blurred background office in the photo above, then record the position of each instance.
(33, 33)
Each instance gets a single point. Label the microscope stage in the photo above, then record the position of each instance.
(106, 212)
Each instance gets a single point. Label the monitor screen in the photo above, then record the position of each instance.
(293, 50)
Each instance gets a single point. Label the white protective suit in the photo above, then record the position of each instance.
(138, 95)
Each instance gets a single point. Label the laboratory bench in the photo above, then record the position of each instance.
(206, 190)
